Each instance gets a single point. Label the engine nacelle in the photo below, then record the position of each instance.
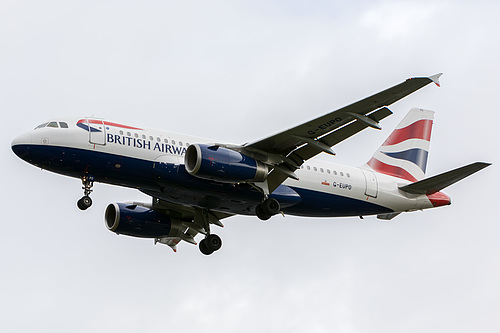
(139, 221)
(223, 165)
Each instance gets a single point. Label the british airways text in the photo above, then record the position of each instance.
(145, 144)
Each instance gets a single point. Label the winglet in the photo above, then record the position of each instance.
(435, 79)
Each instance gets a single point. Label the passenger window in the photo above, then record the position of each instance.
(180, 143)
(173, 142)
(327, 170)
(158, 139)
(136, 135)
(53, 124)
(129, 134)
(348, 175)
(187, 144)
(63, 124)
(121, 132)
(321, 169)
(308, 167)
(150, 138)
(144, 137)
(42, 125)
(166, 141)
(334, 172)
(315, 169)
(342, 174)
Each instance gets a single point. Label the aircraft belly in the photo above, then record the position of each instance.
(323, 204)
(172, 183)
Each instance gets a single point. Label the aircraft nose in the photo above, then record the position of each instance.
(21, 145)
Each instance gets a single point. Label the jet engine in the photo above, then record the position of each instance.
(140, 221)
(223, 165)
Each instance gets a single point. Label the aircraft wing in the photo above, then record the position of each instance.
(287, 150)
(193, 219)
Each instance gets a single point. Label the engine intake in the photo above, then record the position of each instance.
(139, 221)
(223, 165)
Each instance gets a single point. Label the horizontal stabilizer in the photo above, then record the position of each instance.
(437, 183)
(388, 216)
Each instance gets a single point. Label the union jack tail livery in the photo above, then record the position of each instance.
(404, 153)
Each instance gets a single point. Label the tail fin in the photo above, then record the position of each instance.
(404, 153)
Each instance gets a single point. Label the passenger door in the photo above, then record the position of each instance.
(371, 183)
(97, 131)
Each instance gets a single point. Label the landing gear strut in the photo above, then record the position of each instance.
(267, 208)
(85, 202)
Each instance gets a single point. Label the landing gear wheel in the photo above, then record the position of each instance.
(204, 248)
(214, 242)
(268, 208)
(210, 244)
(271, 206)
(260, 213)
(84, 203)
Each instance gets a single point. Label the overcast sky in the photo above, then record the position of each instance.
(236, 71)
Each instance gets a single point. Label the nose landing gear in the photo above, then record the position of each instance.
(85, 202)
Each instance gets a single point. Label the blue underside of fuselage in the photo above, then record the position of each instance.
(172, 183)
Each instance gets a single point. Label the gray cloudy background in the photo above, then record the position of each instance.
(236, 72)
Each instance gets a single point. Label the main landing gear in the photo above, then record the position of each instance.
(85, 202)
(210, 244)
(267, 208)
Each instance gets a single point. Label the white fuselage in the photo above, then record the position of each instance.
(325, 188)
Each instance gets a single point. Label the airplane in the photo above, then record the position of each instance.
(195, 183)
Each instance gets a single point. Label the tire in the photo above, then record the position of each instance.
(84, 202)
(204, 248)
(259, 211)
(80, 205)
(213, 242)
(271, 206)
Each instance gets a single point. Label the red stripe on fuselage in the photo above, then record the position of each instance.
(420, 129)
(122, 126)
(108, 123)
(390, 170)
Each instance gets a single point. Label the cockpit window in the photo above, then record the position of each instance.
(53, 124)
(42, 125)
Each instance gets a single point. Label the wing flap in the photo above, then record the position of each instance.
(188, 215)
